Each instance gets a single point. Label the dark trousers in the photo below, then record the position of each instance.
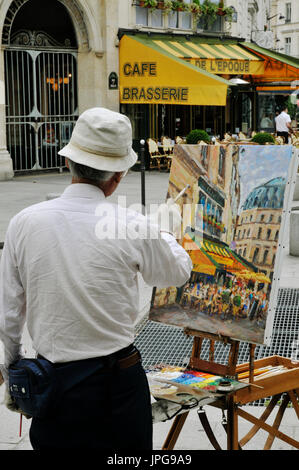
(285, 135)
(109, 410)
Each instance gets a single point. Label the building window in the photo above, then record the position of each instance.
(270, 218)
(259, 235)
(276, 235)
(142, 16)
(268, 234)
(262, 218)
(255, 255)
(180, 19)
(287, 45)
(147, 18)
(288, 12)
(205, 24)
(266, 252)
(157, 19)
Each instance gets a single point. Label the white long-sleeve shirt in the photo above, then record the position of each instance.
(77, 290)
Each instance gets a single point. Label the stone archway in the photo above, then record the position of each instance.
(88, 38)
(40, 61)
(73, 9)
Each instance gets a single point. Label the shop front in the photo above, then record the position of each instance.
(269, 91)
(170, 85)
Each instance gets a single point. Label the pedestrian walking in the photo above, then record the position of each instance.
(66, 272)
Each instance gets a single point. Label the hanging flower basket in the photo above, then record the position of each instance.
(194, 8)
(166, 6)
(221, 12)
(148, 4)
(179, 6)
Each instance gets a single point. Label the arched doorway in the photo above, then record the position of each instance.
(40, 60)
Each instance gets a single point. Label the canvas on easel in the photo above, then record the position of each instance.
(237, 199)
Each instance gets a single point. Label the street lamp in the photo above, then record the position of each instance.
(142, 171)
(281, 17)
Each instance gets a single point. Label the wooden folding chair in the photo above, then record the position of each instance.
(155, 156)
(167, 150)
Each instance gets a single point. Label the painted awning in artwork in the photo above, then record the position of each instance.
(201, 262)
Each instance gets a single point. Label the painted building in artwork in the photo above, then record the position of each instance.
(219, 192)
(215, 187)
(259, 224)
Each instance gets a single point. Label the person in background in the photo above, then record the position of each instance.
(283, 125)
(66, 272)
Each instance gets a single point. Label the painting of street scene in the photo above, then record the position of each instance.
(236, 195)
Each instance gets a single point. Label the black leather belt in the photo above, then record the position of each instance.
(124, 358)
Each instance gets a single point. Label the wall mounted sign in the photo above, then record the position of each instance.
(113, 81)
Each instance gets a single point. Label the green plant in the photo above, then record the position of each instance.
(292, 108)
(152, 4)
(209, 10)
(262, 138)
(228, 12)
(167, 6)
(196, 135)
(195, 9)
(179, 5)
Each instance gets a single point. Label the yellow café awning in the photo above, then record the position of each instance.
(178, 70)
(153, 72)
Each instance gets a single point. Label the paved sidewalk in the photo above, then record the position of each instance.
(23, 191)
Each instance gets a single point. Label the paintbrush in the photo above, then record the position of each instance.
(182, 192)
(262, 370)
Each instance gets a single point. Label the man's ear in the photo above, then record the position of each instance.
(67, 163)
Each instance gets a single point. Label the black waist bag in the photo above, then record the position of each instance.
(36, 385)
(33, 386)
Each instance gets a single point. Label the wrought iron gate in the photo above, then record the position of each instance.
(41, 105)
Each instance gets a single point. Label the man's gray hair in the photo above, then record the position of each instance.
(81, 171)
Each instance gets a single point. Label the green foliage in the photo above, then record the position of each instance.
(292, 108)
(150, 3)
(209, 10)
(196, 135)
(262, 138)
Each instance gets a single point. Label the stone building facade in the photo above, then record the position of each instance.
(285, 25)
(55, 58)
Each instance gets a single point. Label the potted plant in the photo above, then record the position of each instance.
(209, 10)
(166, 6)
(195, 9)
(197, 135)
(263, 138)
(152, 4)
(179, 6)
(227, 12)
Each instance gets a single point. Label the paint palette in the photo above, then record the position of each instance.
(177, 383)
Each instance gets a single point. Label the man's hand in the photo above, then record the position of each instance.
(9, 402)
(169, 219)
(11, 405)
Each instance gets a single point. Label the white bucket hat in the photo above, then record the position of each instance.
(101, 139)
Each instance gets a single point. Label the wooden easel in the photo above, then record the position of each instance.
(211, 367)
(285, 388)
